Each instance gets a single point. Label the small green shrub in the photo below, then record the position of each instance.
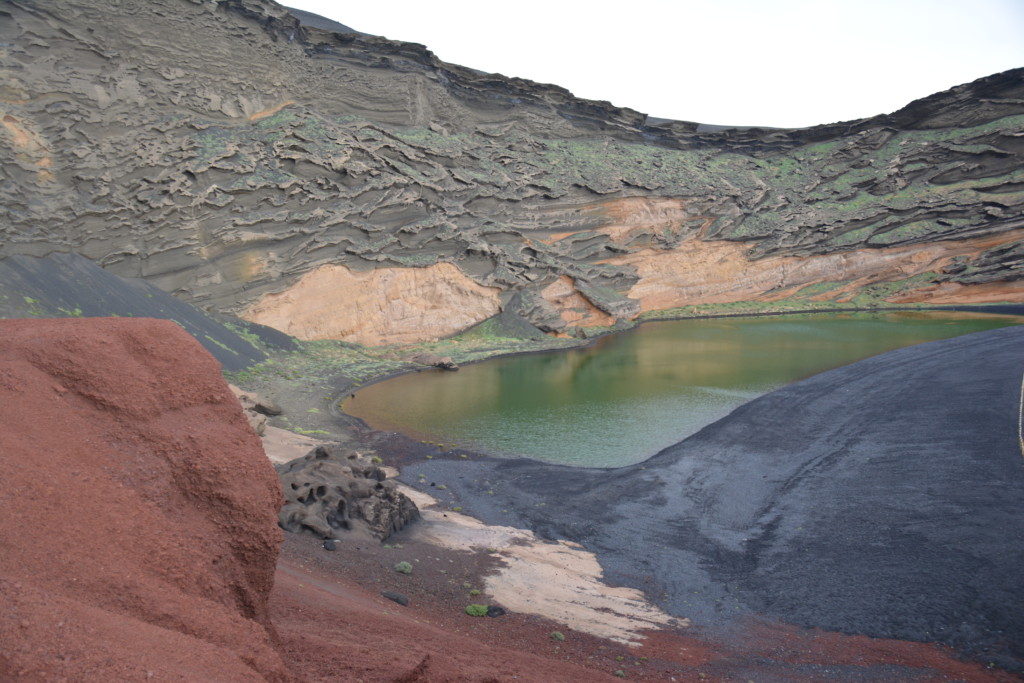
(558, 636)
(476, 610)
(475, 591)
(403, 568)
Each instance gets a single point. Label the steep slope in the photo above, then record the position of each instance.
(145, 546)
(69, 285)
(232, 155)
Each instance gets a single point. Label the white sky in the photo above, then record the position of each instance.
(734, 62)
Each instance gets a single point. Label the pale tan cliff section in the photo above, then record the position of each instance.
(648, 213)
(699, 271)
(31, 149)
(574, 308)
(957, 293)
(381, 306)
(627, 218)
(709, 272)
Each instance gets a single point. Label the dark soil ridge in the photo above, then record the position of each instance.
(71, 286)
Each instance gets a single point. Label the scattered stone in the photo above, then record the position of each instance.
(266, 406)
(495, 611)
(435, 361)
(249, 401)
(396, 597)
(329, 544)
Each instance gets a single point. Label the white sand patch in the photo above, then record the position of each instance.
(559, 581)
(281, 445)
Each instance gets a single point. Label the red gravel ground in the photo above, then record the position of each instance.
(139, 532)
(361, 635)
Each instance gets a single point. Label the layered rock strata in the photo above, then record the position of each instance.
(250, 163)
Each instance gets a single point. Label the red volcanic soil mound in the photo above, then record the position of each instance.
(138, 514)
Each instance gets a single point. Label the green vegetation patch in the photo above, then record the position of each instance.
(476, 610)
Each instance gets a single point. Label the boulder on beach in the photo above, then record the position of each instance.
(435, 361)
(333, 490)
(256, 407)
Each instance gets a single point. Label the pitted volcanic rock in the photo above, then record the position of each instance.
(332, 490)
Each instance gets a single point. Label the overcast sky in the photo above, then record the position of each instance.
(739, 62)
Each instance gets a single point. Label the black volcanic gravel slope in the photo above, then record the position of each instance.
(69, 285)
(884, 498)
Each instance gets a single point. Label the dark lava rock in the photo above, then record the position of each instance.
(329, 545)
(396, 597)
(435, 361)
(495, 611)
(332, 488)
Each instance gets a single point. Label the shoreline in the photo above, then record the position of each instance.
(350, 388)
(314, 381)
(698, 517)
(1012, 309)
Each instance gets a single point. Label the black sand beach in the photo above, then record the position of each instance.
(884, 498)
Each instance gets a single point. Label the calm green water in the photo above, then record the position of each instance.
(632, 394)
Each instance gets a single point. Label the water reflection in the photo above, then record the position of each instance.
(632, 394)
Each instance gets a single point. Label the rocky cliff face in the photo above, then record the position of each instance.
(230, 154)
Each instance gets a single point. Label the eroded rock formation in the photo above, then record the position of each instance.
(144, 546)
(251, 164)
(332, 490)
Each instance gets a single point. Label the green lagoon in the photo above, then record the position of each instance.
(630, 395)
